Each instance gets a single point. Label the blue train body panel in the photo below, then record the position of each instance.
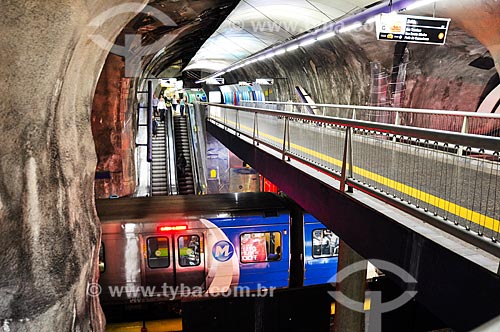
(320, 253)
(254, 272)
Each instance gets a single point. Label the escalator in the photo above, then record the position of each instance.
(158, 165)
(183, 157)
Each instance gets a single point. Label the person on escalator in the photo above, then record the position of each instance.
(155, 127)
(155, 105)
(162, 107)
(181, 165)
(182, 104)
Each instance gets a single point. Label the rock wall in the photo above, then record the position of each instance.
(49, 228)
(113, 130)
(338, 71)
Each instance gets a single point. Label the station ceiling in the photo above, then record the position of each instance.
(255, 25)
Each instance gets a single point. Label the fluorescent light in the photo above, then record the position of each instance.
(281, 51)
(326, 35)
(350, 27)
(292, 48)
(307, 42)
(262, 57)
(270, 55)
(419, 4)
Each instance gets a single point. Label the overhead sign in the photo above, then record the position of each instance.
(265, 81)
(215, 81)
(412, 29)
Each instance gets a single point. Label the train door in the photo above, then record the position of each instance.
(190, 260)
(174, 261)
(159, 262)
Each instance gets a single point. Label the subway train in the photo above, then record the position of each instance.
(234, 94)
(158, 248)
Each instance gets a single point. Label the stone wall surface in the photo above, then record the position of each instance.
(337, 70)
(113, 130)
(48, 75)
(49, 228)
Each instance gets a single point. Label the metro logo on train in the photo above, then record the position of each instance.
(223, 251)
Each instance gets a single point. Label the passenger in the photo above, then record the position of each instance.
(325, 246)
(162, 107)
(193, 244)
(317, 243)
(181, 165)
(276, 256)
(155, 127)
(155, 105)
(174, 105)
(181, 105)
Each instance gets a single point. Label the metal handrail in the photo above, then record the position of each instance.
(192, 152)
(472, 140)
(198, 169)
(418, 140)
(172, 187)
(381, 108)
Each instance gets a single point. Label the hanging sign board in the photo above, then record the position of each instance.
(265, 81)
(215, 81)
(412, 29)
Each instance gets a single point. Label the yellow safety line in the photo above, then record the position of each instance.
(468, 214)
(167, 325)
(366, 306)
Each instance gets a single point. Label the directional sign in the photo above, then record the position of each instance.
(215, 81)
(412, 29)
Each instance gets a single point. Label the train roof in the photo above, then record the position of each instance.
(236, 204)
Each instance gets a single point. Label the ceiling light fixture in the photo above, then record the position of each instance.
(329, 30)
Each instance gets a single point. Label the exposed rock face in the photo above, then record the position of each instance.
(337, 70)
(50, 233)
(113, 130)
(482, 22)
(48, 222)
(113, 116)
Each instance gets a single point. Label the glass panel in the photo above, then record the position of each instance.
(189, 250)
(325, 243)
(260, 247)
(158, 256)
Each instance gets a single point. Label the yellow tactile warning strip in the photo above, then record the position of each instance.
(168, 325)
(467, 214)
(366, 306)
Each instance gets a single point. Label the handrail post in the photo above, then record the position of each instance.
(397, 122)
(464, 130)
(150, 121)
(286, 134)
(225, 118)
(347, 157)
(255, 129)
(288, 131)
(237, 123)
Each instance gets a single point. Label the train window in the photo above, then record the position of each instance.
(260, 247)
(325, 243)
(189, 250)
(102, 264)
(158, 256)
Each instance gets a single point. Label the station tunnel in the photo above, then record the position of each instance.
(72, 76)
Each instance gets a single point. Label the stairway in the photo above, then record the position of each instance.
(159, 163)
(185, 181)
